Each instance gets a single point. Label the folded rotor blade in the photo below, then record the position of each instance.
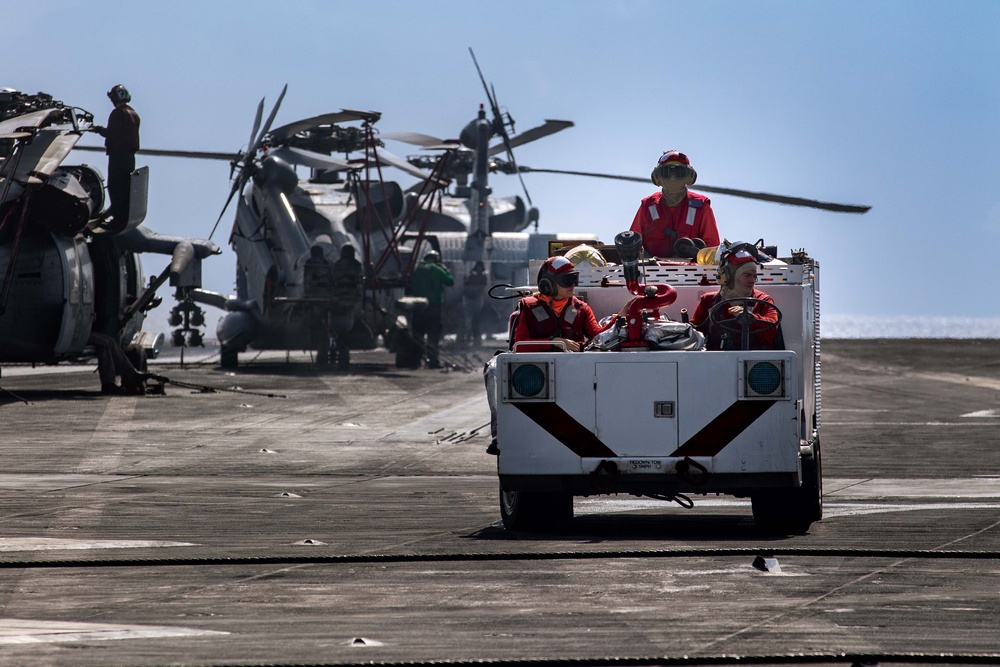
(241, 177)
(387, 158)
(252, 150)
(549, 127)
(745, 194)
(9, 129)
(256, 123)
(416, 138)
(489, 98)
(294, 155)
(285, 132)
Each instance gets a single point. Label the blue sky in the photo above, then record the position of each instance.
(894, 104)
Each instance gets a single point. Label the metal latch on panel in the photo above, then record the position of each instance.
(663, 408)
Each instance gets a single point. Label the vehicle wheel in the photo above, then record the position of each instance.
(792, 511)
(228, 357)
(523, 510)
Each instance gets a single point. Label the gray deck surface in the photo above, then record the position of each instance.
(324, 517)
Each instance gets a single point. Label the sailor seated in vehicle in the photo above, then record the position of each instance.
(553, 316)
(738, 309)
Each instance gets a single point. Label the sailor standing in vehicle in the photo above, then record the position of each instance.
(121, 141)
(347, 276)
(428, 281)
(674, 212)
(737, 277)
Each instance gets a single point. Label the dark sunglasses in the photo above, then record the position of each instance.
(677, 171)
(568, 279)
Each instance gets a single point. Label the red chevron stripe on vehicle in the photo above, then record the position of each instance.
(709, 441)
(561, 426)
(722, 430)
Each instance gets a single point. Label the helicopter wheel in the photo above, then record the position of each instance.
(229, 357)
(137, 357)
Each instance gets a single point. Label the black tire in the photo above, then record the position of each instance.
(523, 510)
(408, 352)
(793, 511)
(137, 357)
(229, 357)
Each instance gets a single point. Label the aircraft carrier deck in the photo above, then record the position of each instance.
(293, 516)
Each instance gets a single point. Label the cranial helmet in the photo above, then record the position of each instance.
(119, 94)
(432, 256)
(586, 253)
(733, 260)
(673, 161)
(556, 271)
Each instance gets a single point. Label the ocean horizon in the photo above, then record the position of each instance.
(873, 326)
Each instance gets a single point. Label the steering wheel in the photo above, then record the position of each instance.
(742, 323)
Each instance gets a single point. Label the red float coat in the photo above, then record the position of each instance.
(535, 320)
(761, 341)
(660, 225)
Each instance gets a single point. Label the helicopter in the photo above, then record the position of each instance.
(66, 273)
(281, 220)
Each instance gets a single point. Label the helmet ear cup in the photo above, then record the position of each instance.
(722, 276)
(652, 176)
(694, 175)
(546, 286)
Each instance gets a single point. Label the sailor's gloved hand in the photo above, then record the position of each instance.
(571, 345)
(100, 129)
(734, 309)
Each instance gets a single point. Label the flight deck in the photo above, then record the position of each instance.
(280, 514)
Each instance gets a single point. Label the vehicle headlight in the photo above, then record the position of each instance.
(764, 378)
(529, 381)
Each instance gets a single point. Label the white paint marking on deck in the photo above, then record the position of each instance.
(58, 543)
(827, 422)
(983, 413)
(26, 631)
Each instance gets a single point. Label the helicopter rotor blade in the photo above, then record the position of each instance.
(499, 125)
(483, 79)
(286, 132)
(415, 138)
(535, 133)
(294, 155)
(267, 125)
(198, 155)
(745, 194)
(256, 123)
(248, 158)
(387, 158)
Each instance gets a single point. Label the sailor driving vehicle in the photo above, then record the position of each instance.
(647, 409)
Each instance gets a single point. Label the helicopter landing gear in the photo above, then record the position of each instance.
(228, 357)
